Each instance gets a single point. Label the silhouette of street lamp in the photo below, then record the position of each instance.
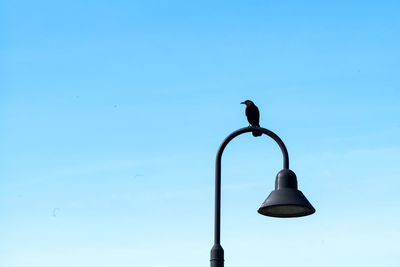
(285, 201)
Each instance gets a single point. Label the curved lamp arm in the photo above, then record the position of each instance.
(217, 253)
(218, 170)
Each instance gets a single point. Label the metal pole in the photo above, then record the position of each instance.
(217, 252)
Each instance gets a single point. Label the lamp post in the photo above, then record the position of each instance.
(285, 201)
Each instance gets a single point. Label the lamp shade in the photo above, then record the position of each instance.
(286, 200)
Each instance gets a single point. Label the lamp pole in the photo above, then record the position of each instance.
(285, 201)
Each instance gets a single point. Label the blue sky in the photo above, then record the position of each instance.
(111, 113)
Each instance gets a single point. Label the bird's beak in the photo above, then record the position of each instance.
(242, 103)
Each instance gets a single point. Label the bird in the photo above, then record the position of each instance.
(253, 115)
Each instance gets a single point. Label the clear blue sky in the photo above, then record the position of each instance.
(111, 113)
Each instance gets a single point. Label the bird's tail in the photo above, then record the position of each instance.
(255, 134)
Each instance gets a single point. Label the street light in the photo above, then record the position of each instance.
(285, 201)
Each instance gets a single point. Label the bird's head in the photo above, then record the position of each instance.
(247, 103)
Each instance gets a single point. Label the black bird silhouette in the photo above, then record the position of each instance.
(253, 115)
